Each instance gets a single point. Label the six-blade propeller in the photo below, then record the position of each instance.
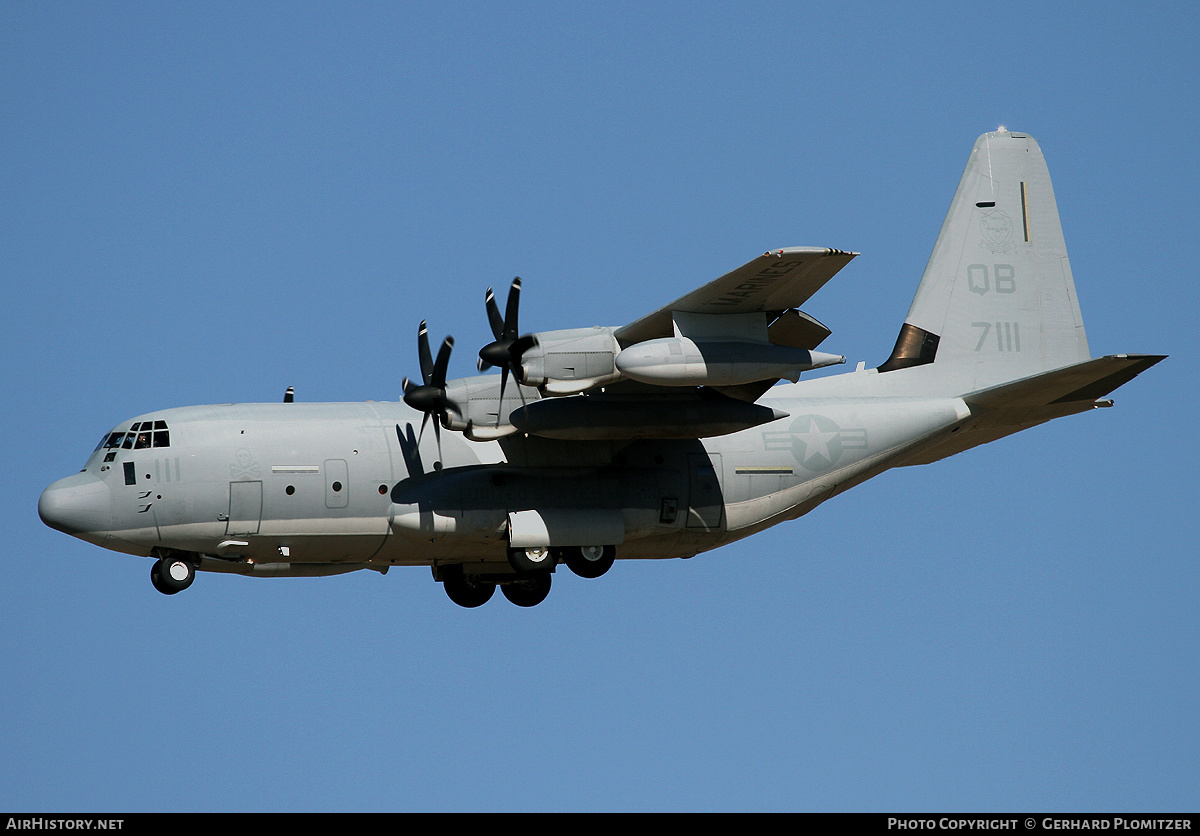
(430, 395)
(505, 352)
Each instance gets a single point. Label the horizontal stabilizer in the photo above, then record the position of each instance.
(1010, 407)
(1082, 382)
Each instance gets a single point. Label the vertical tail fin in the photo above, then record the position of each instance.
(996, 301)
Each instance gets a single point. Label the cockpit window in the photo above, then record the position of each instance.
(162, 438)
(141, 435)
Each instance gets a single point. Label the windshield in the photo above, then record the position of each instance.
(141, 435)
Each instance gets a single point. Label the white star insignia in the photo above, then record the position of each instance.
(816, 443)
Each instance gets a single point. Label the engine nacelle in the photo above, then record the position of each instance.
(679, 361)
(570, 361)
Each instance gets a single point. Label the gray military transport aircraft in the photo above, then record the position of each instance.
(665, 437)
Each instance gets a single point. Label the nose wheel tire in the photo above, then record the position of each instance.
(172, 574)
(590, 561)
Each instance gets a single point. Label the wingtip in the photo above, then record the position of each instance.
(818, 251)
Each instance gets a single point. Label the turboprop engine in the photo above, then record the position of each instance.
(680, 361)
(570, 361)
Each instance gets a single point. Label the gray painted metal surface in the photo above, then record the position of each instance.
(572, 461)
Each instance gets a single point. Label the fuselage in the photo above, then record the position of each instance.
(303, 489)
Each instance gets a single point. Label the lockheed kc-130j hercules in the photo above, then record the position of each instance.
(665, 437)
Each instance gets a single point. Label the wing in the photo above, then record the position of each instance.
(696, 366)
(773, 283)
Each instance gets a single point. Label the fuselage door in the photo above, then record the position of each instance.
(245, 507)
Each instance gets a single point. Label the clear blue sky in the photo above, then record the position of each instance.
(210, 202)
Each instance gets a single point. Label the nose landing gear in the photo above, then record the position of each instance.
(171, 574)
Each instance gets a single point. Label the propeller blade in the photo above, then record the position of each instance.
(438, 380)
(421, 434)
(423, 354)
(500, 404)
(510, 311)
(493, 312)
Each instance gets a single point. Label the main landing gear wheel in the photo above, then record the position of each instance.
(529, 591)
(464, 591)
(533, 559)
(172, 574)
(589, 561)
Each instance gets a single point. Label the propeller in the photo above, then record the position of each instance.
(505, 352)
(429, 396)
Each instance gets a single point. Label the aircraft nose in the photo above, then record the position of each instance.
(76, 505)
